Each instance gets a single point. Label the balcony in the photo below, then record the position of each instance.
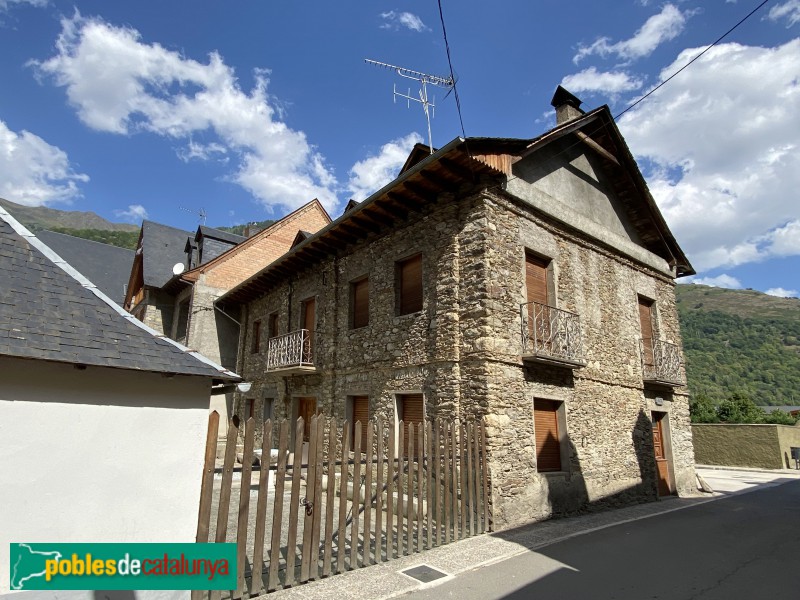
(661, 363)
(551, 336)
(291, 353)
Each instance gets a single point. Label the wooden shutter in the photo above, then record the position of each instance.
(412, 411)
(548, 445)
(256, 336)
(272, 329)
(646, 323)
(536, 279)
(411, 285)
(360, 413)
(360, 295)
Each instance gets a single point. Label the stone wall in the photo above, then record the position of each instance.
(740, 445)
(463, 350)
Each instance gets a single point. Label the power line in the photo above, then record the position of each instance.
(717, 41)
(452, 73)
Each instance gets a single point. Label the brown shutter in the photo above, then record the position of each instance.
(411, 285)
(360, 413)
(306, 408)
(548, 446)
(536, 279)
(273, 325)
(412, 412)
(646, 323)
(256, 336)
(360, 292)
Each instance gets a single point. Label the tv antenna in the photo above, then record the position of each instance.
(428, 107)
(200, 213)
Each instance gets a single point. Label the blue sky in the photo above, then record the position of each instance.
(249, 109)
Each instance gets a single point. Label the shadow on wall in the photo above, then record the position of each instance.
(567, 494)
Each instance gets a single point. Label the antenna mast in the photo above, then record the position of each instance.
(424, 79)
(200, 213)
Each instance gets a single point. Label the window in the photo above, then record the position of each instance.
(272, 325)
(256, 336)
(182, 325)
(251, 408)
(548, 441)
(409, 285)
(536, 280)
(647, 328)
(268, 408)
(359, 412)
(410, 409)
(359, 303)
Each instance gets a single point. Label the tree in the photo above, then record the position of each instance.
(702, 409)
(740, 409)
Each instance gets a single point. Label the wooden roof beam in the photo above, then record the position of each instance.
(596, 147)
(391, 207)
(456, 169)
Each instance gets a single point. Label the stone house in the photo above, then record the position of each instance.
(180, 302)
(527, 281)
(120, 414)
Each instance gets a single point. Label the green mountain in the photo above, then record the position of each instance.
(37, 218)
(740, 342)
(254, 227)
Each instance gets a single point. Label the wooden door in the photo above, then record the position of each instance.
(360, 413)
(646, 324)
(306, 408)
(412, 411)
(310, 323)
(662, 462)
(537, 290)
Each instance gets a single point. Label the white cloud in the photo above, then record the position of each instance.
(395, 20)
(32, 172)
(664, 26)
(119, 84)
(789, 10)
(372, 173)
(197, 151)
(725, 152)
(592, 80)
(6, 4)
(782, 293)
(135, 213)
(723, 281)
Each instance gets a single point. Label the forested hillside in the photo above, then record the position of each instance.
(741, 342)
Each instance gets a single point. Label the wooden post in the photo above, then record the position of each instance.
(379, 495)
(277, 511)
(244, 506)
(294, 503)
(341, 544)
(390, 495)
(225, 491)
(437, 478)
(454, 473)
(356, 507)
(400, 469)
(429, 489)
(207, 487)
(410, 492)
(257, 579)
(308, 518)
(333, 433)
(462, 480)
(317, 516)
(485, 474)
(368, 496)
(448, 502)
(420, 482)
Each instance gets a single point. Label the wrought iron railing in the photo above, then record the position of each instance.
(294, 349)
(661, 361)
(550, 332)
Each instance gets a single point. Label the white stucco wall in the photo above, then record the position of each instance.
(99, 455)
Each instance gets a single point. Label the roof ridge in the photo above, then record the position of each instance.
(59, 262)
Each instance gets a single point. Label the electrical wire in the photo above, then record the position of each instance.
(717, 41)
(452, 73)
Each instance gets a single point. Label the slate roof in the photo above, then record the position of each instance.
(106, 266)
(218, 234)
(49, 311)
(162, 248)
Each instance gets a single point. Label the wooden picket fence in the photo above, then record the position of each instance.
(348, 506)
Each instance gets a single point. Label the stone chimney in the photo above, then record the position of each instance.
(567, 106)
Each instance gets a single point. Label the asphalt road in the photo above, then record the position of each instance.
(745, 546)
